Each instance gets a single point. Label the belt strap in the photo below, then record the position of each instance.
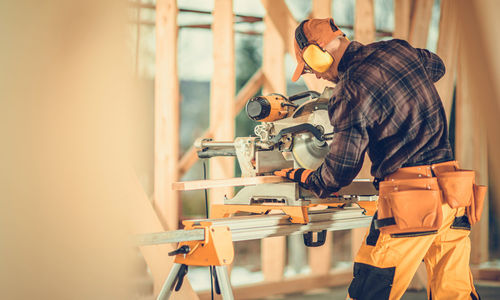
(384, 222)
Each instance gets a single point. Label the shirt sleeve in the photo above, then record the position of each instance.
(347, 149)
(433, 64)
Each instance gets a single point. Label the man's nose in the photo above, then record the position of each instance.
(317, 75)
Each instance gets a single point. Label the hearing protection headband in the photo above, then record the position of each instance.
(301, 38)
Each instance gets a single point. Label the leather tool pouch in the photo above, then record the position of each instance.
(475, 210)
(409, 206)
(460, 190)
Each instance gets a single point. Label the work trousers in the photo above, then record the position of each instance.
(385, 264)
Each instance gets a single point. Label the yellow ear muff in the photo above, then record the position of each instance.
(317, 59)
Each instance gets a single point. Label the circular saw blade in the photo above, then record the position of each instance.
(308, 151)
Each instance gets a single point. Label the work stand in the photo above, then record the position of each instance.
(178, 272)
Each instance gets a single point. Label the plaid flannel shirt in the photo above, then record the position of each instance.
(385, 103)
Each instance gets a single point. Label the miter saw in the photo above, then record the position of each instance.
(295, 132)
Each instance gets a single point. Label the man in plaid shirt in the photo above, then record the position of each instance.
(384, 104)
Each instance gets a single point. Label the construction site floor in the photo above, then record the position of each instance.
(486, 291)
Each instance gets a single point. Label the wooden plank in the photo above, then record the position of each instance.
(447, 49)
(289, 285)
(321, 9)
(420, 22)
(143, 219)
(364, 22)
(246, 92)
(228, 182)
(222, 94)
(166, 201)
(277, 35)
(402, 19)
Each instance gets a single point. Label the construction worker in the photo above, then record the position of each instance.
(385, 104)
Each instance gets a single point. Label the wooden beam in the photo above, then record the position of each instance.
(283, 21)
(276, 36)
(420, 22)
(143, 219)
(246, 92)
(447, 49)
(471, 152)
(222, 94)
(320, 258)
(166, 201)
(289, 285)
(229, 182)
(321, 9)
(402, 19)
(364, 31)
(364, 22)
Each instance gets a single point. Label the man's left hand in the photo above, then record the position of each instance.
(300, 175)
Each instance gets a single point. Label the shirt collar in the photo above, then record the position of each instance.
(349, 57)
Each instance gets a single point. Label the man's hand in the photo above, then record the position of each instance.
(300, 175)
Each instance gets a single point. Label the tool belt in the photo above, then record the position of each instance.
(410, 199)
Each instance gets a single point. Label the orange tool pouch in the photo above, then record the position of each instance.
(409, 206)
(460, 190)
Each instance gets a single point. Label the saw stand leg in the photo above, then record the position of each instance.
(175, 276)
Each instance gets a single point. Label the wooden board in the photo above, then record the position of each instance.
(166, 148)
(222, 94)
(364, 22)
(228, 182)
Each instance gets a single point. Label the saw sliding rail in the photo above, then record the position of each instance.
(246, 228)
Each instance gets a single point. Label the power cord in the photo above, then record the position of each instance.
(206, 213)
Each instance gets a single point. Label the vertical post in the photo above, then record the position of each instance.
(321, 9)
(471, 152)
(447, 49)
(166, 201)
(222, 94)
(273, 67)
(420, 21)
(320, 258)
(402, 18)
(364, 22)
(364, 32)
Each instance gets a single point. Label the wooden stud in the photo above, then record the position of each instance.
(471, 152)
(420, 22)
(402, 18)
(321, 9)
(447, 49)
(273, 66)
(364, 31)
(222, 94)
(166, 201)
(364, 22)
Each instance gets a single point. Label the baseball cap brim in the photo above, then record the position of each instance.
(298, 71)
